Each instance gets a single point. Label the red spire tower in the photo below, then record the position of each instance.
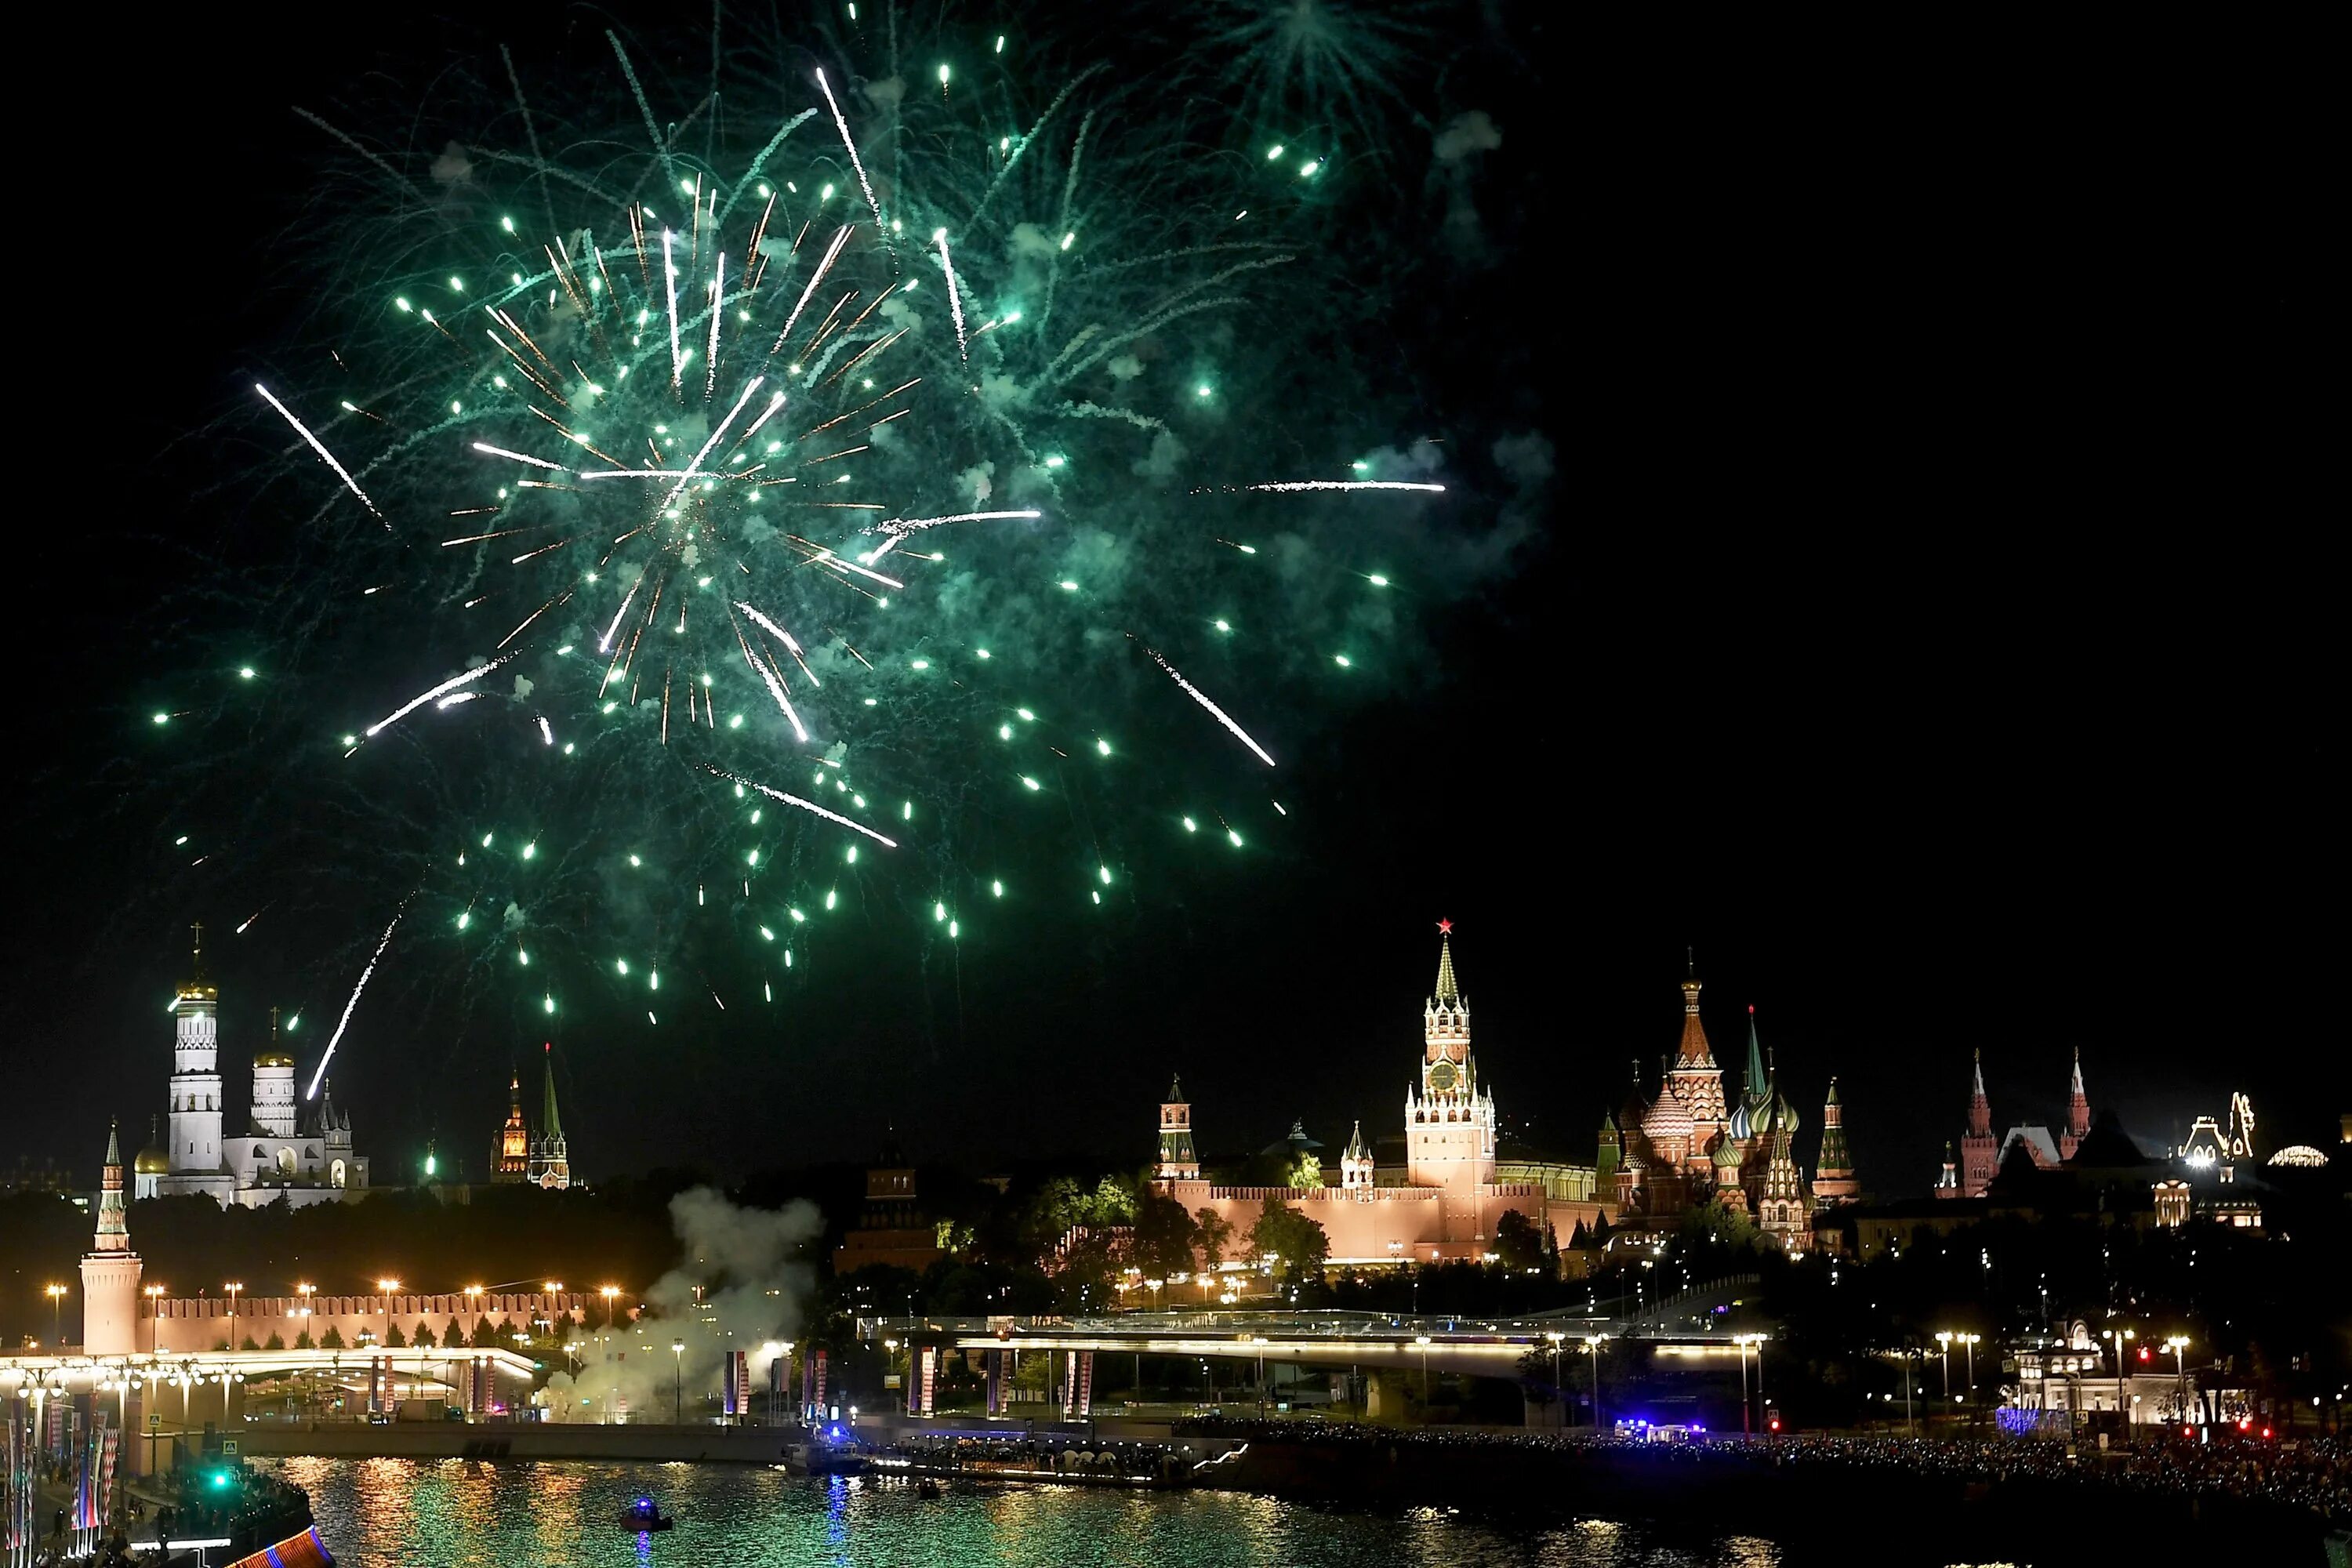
(1979, 1150)
(2078, 1114)
(1695, 1079)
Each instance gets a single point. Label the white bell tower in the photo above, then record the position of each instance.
(196, 1144)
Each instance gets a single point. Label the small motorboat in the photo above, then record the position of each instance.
(643, 1515)
(927, 1488)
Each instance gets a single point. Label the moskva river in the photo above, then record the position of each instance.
(458, 1513)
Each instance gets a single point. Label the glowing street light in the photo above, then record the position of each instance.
(676, 1382)
(154, 1294)
(56, 1294)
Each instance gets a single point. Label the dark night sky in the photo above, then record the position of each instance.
(1930, 628)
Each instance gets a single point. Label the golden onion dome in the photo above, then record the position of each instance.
(273, 1059)
(152, 1162)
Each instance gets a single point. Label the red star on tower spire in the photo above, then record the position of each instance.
(1445, 928)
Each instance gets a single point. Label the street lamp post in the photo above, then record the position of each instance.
(1558, 1393)
(387, 1286)
(1970, 1341)
(676, 1383)
(1908, 1428)
(154, 1294)
(1592, 1349)
(1423, 1341)
(1944, 1343)
(2176, 1344)
(1743, 1341)
(56, 1294)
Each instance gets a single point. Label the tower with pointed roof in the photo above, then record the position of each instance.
(110, 1269)
(1695, 1079)
(1755, 1093)
(1449, 1120)
(1833, 1180)
(511, 1154)
(1782, 1209)
(1356, 1164)
(1178, 1161)
(2078, 1114)
(548, 1165)
(196, 1152)
(274, 1113)
(1979, 1150)
(1947, 1184)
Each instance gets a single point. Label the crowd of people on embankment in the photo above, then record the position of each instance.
(2311, 1474)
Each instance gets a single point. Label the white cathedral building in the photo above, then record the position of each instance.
(276, 1155)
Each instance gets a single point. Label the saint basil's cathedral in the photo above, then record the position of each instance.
(1691, 1145)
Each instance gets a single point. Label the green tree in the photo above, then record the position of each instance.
(276, 1344)
(1163, 1237)
(332, 1340)
(454, 1335)
(1306, 1171)
(249, 1345)
(1212, 1234)
(1113, 1203)
(484, 1336)
(392, 1340)
(1296, 1242)
(1519, 1243)
(302, 1341)
(422, 1338)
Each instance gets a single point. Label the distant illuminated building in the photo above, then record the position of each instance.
(1454, 1188)
(511, 1161)
(276, 1157)
(549, 1164)
(2299, 1154)
(1982, 1155)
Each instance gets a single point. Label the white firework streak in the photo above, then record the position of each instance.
(354, 1002)
(520, 457)
(455, 697)
(1347, 485)
(717, 298)
(1197, 695)
(770, 627)
(605, 643)
(898, 528)
(955, 301)
(815, 278)
(446, 687)
(790, 647)
(693, 468)
(776, 688)
(669, 281)
(809, 805)
(329, 457)
(546, 731)
(856, 162)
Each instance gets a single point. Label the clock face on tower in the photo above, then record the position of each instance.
(1443, 1078)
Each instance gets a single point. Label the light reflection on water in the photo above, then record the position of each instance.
(460, 1513)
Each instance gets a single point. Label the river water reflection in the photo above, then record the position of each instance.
(458, 1513)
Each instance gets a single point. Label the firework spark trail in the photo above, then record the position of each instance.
(693, 468)
(520, 457)
(446, 687)
(770, 625)
(303, 430)
(1022, 146)
(775, 689)
(818, 277)
(718, 299)
(751, 174)
(1347, 485)
(1197, 695)
(955, 299)
(661, 147)
(354, 1002)
(669, 281)
(807, 805)
(605, 643)
(546, 732)
(857, 163)
(898, 528)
